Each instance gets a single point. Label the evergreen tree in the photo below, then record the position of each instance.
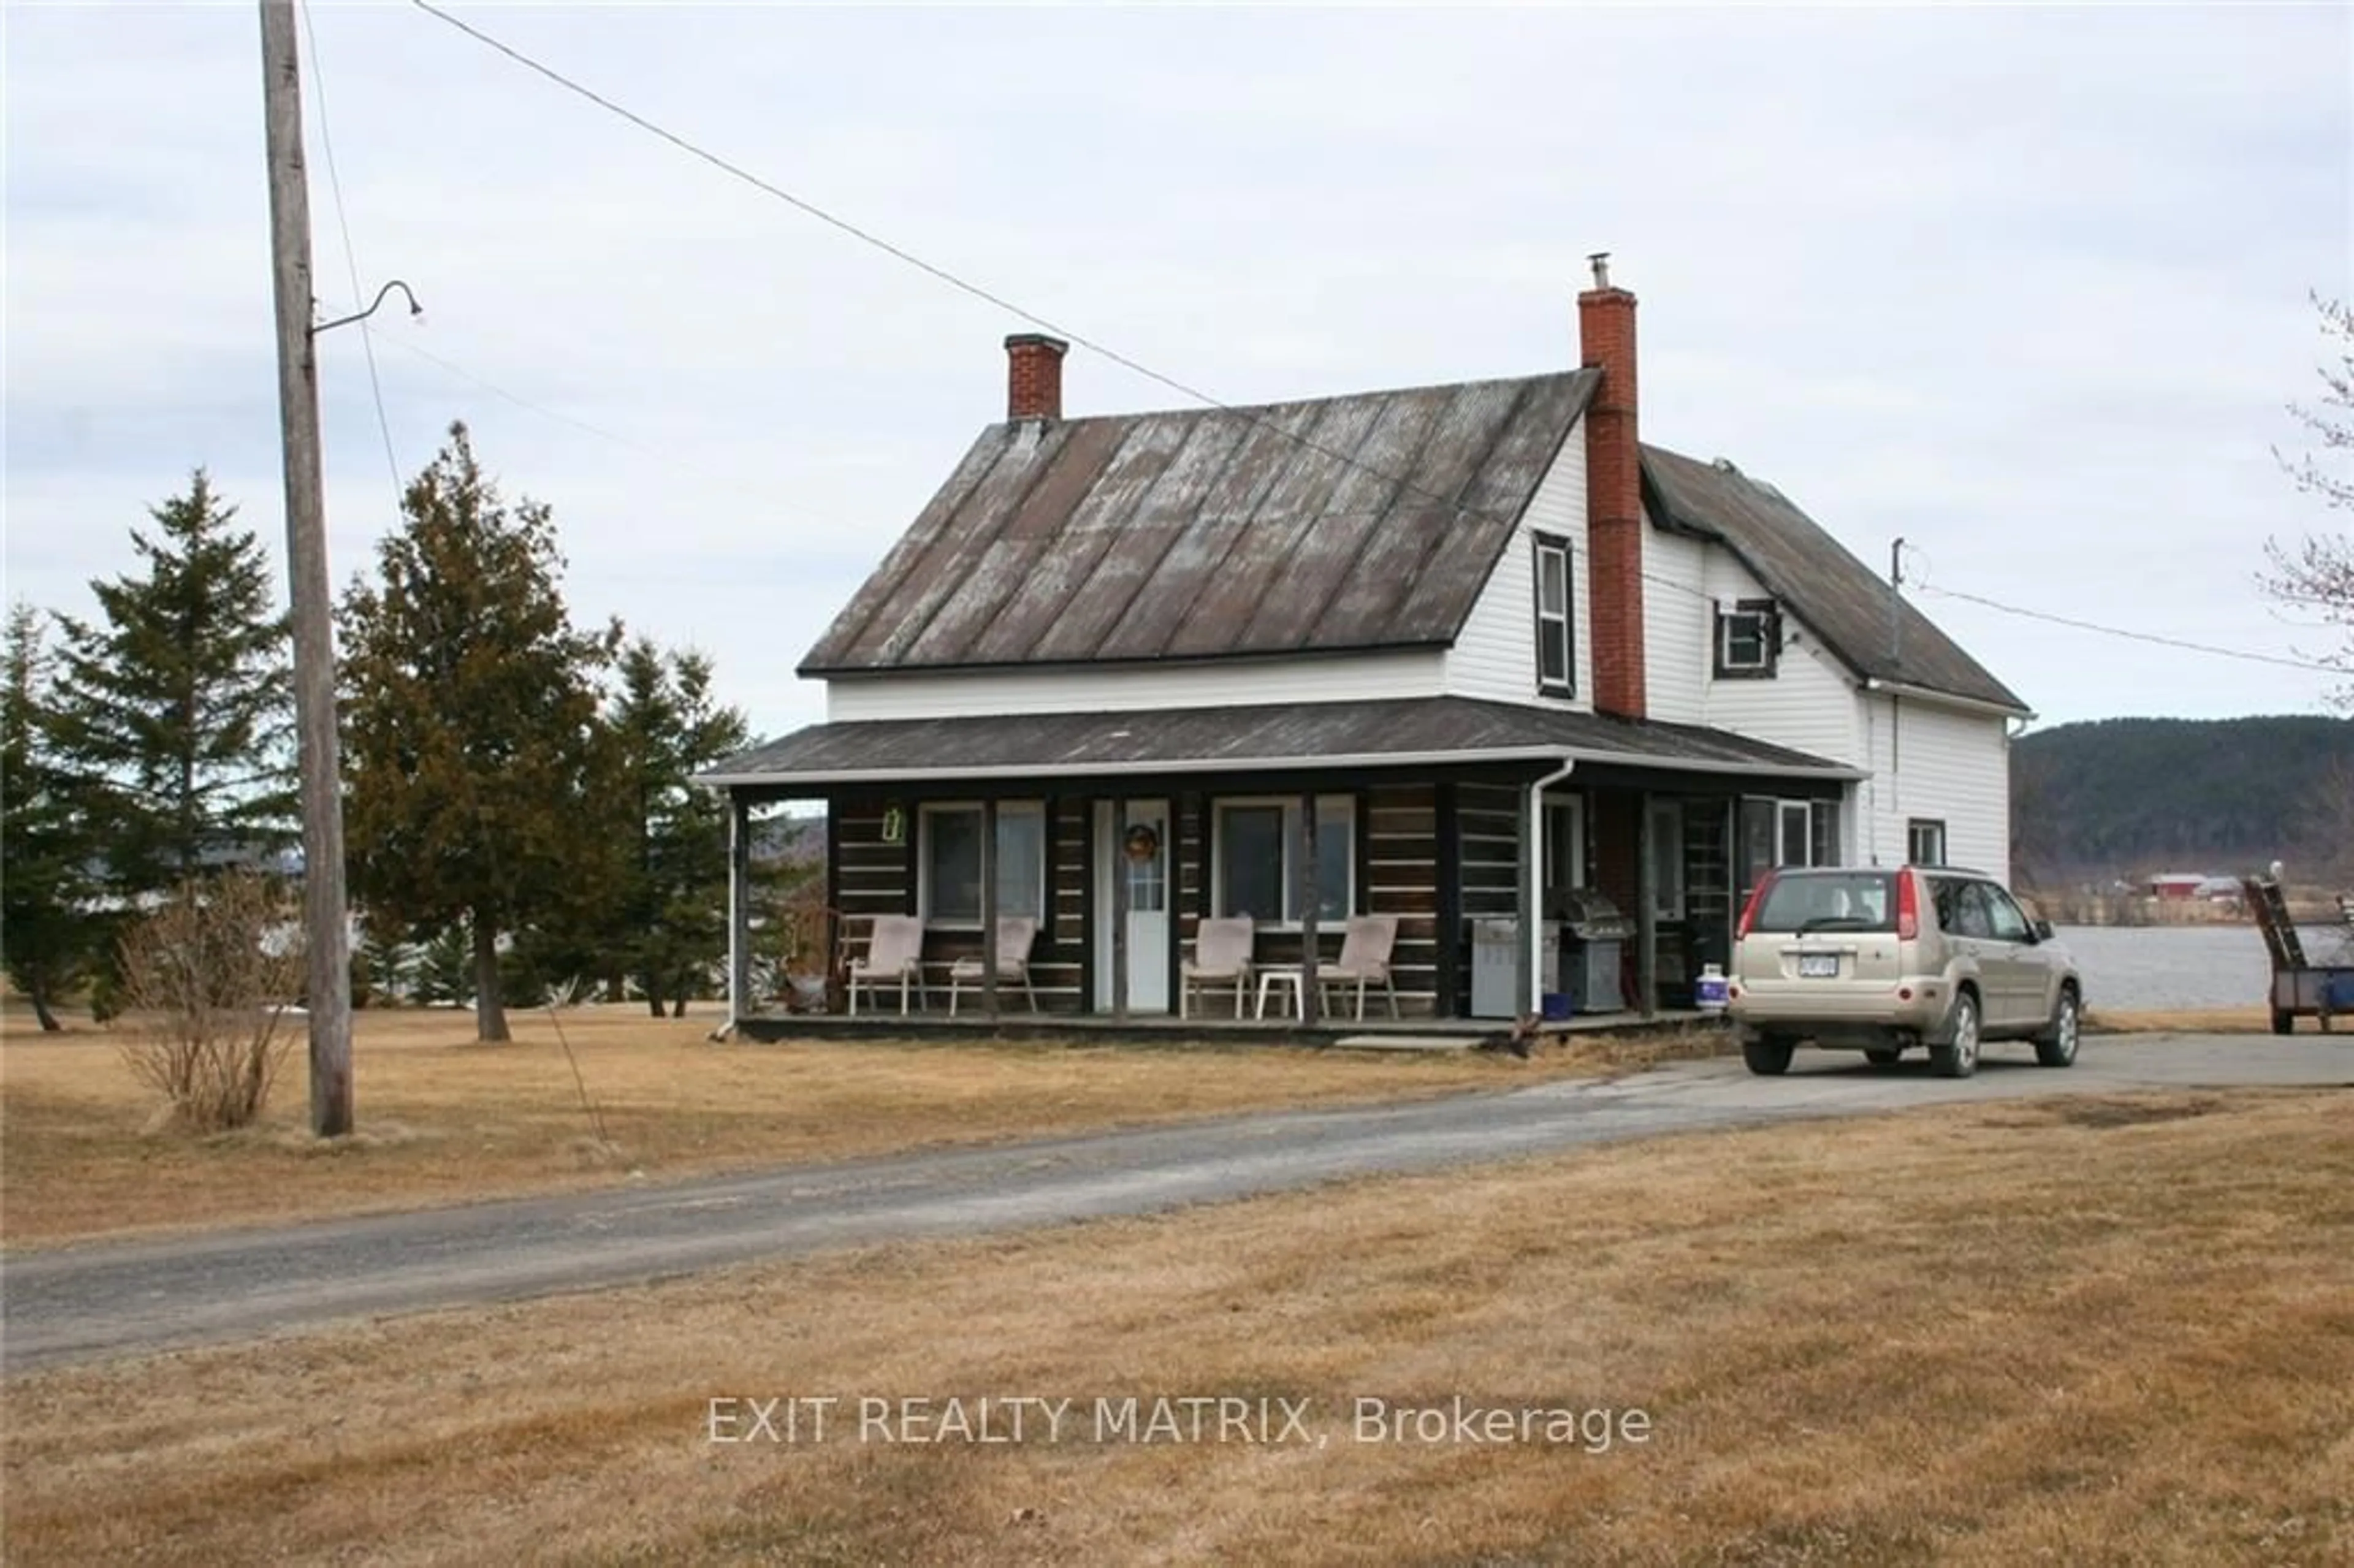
(175, 708)
(48, 931)
(666, 728)
(470, 722)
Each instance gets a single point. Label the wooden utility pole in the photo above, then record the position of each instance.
(326, 938)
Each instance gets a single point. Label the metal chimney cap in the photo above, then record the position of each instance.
(1601, 259)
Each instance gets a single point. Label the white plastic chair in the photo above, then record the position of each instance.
(894, 951)
(1222, 955)
(1016, 935)
(1365, 958)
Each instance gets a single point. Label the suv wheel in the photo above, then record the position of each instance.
(1958, 1056)
(1770, 1055)
(2056, 1046)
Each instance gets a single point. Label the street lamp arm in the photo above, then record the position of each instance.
(414, 308)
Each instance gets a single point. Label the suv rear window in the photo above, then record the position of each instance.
(1828, 901)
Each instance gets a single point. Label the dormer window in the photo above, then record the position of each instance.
(1557, 672)
(1748, 639)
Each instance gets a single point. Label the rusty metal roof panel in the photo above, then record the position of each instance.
(1493, 496)
(1200, 552)
(1419, 731)
(1299, 527)
(1422, 518)
(1845, 602)
(981, 588)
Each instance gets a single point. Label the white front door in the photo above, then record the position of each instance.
(1139, 854)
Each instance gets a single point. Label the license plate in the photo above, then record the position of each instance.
(1818, 966)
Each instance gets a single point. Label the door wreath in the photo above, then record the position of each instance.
(1142, 841)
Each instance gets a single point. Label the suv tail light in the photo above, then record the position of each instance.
(1749, 910)
(1908, 906)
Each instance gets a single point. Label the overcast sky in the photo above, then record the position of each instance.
(2027, 287)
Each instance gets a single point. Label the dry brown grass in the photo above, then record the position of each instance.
(445, 1120)
(2082, 1331)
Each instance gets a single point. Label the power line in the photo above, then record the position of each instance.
(2164, 641)
(351, 257)
(736, 171)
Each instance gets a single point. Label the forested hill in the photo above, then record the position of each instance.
(2116, 797)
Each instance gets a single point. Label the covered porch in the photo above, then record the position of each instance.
(1506, 862)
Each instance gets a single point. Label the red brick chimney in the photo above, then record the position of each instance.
(1033, 375)
(1614, 495)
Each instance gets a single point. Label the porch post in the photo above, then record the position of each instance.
(1312, 996)
(740, 908)
(1527, 900)
(987, 908)
(1647, 904)
(1120, 910)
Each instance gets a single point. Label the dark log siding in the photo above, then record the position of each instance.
(1412, 839)
(1397, 827)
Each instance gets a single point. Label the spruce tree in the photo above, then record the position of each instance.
(48, 929)
(666, 728)
(470, 721)
(173, 708)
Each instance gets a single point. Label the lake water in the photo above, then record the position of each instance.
(2131, 968)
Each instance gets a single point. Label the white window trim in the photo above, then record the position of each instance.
(930, 809)
(1547, 543)
(1768, 657)
(1329, 809)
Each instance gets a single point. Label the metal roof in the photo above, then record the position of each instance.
(1843, 601)
(1399, 731)
(1369, 521)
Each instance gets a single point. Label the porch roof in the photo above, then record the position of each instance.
(1392, 732)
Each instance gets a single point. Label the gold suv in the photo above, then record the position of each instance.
(1883, 961)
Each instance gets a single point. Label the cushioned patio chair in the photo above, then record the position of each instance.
(1365, 958)
(1015, 936)
(895, 952)
(1222, 955)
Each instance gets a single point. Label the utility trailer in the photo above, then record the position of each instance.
(2300, 988)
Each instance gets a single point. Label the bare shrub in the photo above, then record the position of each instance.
(206, 980)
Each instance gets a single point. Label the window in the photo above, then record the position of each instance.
(1786, 833)
(1925, 842)
(1260, 873)
(950, 862)
(1748, 639)
(1668, 860)
(1556, 676)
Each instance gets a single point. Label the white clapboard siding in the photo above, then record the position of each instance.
(1496, 656)
(1119, 688)
(1677, 622)
(1809, 704)
(1942, 764)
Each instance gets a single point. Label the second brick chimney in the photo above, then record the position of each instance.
(1033, 375)
(1613, 493)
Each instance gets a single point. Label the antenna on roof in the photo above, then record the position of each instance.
(1601, 259)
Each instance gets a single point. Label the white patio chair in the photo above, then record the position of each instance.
(894, 951)
(1222, 955)
(1015, 936)
(1365, 958)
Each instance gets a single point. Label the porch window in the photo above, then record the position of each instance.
(950, 862)
(1556, 676)
(1786, 833)
(1748, 639)
(1925, 841)
(1668, 860)
(1260, 872)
